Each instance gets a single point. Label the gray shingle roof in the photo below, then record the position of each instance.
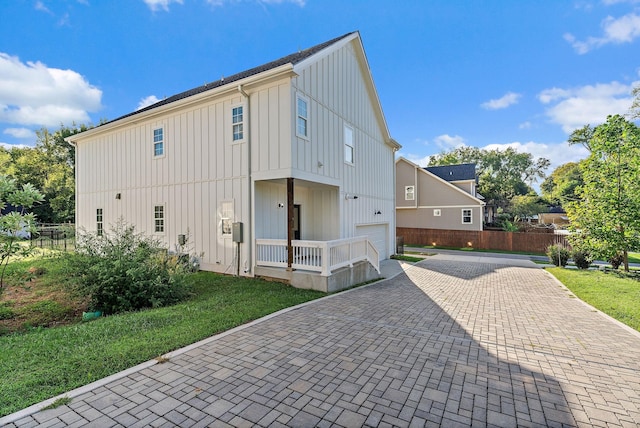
(460, 172)
(289, 59)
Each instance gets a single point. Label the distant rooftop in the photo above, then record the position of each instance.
(460, 172)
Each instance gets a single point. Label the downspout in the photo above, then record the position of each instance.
(249, 229)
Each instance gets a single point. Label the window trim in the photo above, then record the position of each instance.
(470, 216)
(162, 142)
(99, 222)
(156, 219)
(412, 192)
(242, 123)
(300, 97)
(349, 145)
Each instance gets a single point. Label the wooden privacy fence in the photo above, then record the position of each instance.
(529, 242)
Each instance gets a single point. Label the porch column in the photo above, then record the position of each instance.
(289, 223)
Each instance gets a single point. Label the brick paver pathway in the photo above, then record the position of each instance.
(448, 343)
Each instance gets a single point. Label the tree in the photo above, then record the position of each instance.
(606, 218)
(562, 185)
(582, 136)
(16, 221)
(526, 206)
(502, 174)
(634, 111)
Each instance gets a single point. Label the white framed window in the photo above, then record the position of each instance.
(226, 214)
(466, 216)
(437, 212)
(302, 116)
(158, 142)
(348, 145)
(237, 122)
(99, 222)
(409, 193)
(158, 218)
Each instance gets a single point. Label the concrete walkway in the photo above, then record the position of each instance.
(452, 341)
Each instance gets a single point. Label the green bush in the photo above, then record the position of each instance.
(582, 259)
(558, 255)
(616, 260)
(126, 271)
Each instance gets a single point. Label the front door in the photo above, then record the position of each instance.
(296, 222)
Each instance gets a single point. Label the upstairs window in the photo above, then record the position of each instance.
(158, 218)
(348, 145)
(237, 119)
(409, 193)
(99, 223)
(158, 142)
(466, 216)
(302, 121)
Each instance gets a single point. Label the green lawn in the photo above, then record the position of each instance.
(43, 363)
(611, 293)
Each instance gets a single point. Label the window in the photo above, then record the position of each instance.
(409, 193)
(466, 216)
(348, 144)
(302, 122)
(158, 218)
(99, 223)
(226, 212)
(158, 142)
(237, 119)
(437, 212)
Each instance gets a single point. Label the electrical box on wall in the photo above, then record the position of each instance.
(236, 232)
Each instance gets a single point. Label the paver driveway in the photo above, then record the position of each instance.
(461, 341)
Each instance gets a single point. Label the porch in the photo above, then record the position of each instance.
(320, 265)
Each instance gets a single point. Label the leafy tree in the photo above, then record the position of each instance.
(15, 222)
(634, 111)
(502, 174)
(582, 136)
(606, 220)
(562, 185)
(524, 206)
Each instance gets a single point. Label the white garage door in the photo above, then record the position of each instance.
(377, 234)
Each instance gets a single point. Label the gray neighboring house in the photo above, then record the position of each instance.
(440, 197)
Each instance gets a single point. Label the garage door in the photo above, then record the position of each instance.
(377, 234)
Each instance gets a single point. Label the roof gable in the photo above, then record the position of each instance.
(460, 172)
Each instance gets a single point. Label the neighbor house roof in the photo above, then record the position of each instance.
(460, 172)
(289, 59)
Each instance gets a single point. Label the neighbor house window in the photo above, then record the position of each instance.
(158, 218)
(302, 121)
(437, 212)
(99, 223)
(409, 193)
(466, 216)
(237, 119)
(348, 144)
(158, 142)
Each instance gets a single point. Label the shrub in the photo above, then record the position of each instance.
(616, 260)
(582, 259)
(558, 255)
(126, 271)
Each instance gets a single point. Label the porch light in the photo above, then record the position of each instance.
(348, 196)
(433, 244)
(470, 244)
(280, 205)
(118, 196)
(377, 212)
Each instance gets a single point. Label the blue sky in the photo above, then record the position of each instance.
(487, 74)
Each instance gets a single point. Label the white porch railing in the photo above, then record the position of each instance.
(318, 256)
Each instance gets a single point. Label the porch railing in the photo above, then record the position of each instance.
(318, 256)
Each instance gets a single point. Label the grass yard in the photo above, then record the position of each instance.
(40, 363)
(612, 293)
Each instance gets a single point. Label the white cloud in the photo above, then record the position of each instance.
(621, 30)
(447, 142)
(525, 125)
(22, 133)
(12, 146)
(300, 3)
(156, 5)
(505, 101)
(147, 101)
(591, 104)
(34, 94)
(40, 6)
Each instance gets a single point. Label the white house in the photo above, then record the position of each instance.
(293, 159)
(439, 197)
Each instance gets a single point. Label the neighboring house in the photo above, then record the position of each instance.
(556, 217)
(442, 197)
(284, 170)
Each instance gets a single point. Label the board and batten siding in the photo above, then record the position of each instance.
(200, 168)
(339, 94)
